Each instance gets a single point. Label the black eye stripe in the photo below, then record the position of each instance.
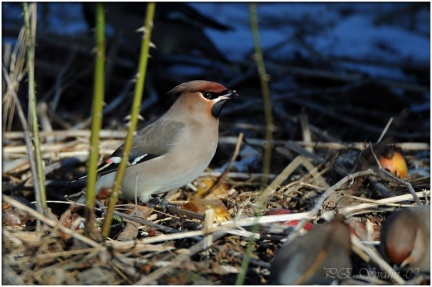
(209, 95)
(212, 95)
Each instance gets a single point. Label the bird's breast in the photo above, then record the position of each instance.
(190, 154)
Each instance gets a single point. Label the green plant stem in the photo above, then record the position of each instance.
(39, 177)
(139, 87)
(246, 259)
(264, 79)
(98, 96)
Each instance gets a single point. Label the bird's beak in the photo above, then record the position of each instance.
(220, 101)
(229, 95)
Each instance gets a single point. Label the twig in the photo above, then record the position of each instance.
(9, 276)
(17, 71)
(347, 77)
(297, 97)
(336, 186)
(58, 82)
(306, 131)
(383, 133)
(121, 134)
(377, 259)
(250, 221)
(412, 146)
(208, 224)
(152, 96)
(96, 124)
(50, 222)
(265, 195)
(344, 119)
(69, 133)
(264, 79)
(238, 175)
(385, 201)
(139, 87)
(228, 167)
(318, 205)
(286, 96)
(112, 56)
(110, 107)
(28, 142)
(299, 150)
(142, 221)
(37, 173)
(177, 261)
(71, 79)
(389, 174)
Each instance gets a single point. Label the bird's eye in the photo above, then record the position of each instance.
(208, 95)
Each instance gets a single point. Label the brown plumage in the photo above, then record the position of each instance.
(176, 148)
(405, 238)
(319, 257)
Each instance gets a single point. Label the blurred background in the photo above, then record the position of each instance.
(347, 67)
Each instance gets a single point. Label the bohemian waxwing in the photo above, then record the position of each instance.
(405, 238)
(176, 148)
(319, 257)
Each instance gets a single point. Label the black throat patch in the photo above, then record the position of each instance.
(217, 108)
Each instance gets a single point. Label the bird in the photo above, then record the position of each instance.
(176, 148)
(405, 238)
(319, 257)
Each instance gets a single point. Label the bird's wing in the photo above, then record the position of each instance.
(151, 142)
